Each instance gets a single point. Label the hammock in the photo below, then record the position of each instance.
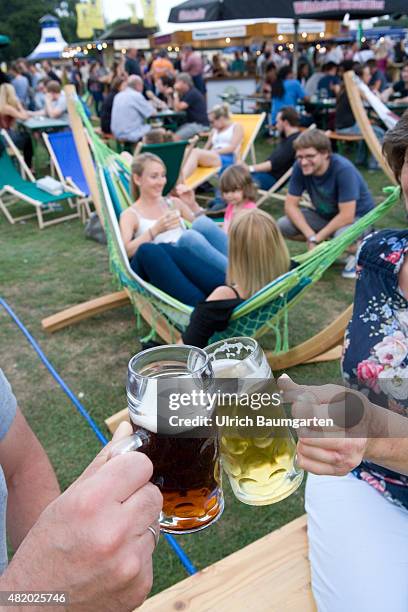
(265, 310)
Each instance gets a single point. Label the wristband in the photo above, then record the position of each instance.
(312, 239)
(251, 169)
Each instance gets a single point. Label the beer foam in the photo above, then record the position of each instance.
(143, 412)
(235, 368)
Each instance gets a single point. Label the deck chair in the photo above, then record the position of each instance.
(251, 124)
(67, 166)
(173, 154)
(15, 188)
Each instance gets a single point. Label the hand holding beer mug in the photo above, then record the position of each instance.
(259, 461)
(186, 469)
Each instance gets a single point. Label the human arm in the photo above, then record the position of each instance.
(386, 94)
(361, 431)
(129, 224)
(345, 216)
(55, 111)
(187, 198)
(93, 541)
(265, 166)
(179, 105)
(30, 479)
(294, 213)
(16, 113)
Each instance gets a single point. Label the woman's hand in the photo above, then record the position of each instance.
(335, 448)
(170, 220)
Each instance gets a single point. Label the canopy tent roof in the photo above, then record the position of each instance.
(222, 10)
(128, 31)
(52, 43)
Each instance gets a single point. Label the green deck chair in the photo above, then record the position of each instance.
(14, 188)
(172, 154)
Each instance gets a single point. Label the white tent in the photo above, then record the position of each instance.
(52, 43)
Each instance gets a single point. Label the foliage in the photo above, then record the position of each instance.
(19, 20)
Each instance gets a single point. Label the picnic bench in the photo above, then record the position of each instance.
(270, 575)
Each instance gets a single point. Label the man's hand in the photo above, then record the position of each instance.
(93, 541)
(335, 450)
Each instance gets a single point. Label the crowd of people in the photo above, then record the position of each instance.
(214, 268)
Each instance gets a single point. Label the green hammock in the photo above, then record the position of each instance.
(268, 308)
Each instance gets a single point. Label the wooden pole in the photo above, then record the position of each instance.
(83, 149)
(360, 115)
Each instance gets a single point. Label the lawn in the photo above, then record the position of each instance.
(42, 272)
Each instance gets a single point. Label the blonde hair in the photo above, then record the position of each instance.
(221, 110)
(236, 178)
(138, 166)
(7, 96)
(257, 252)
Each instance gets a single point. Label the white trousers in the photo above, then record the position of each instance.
(358, 547)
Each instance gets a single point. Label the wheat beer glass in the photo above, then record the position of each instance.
(259, 461)
(186, 469)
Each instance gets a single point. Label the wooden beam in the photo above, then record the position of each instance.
(328, 338)
(83, 149)
(158, 322)
(113, 422)
(360, 115)
(83, 311)
(270, 575)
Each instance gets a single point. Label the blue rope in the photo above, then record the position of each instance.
(191, 569)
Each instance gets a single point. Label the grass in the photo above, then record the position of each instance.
(42, 272)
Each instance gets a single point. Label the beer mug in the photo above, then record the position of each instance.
(260, 463)
(186, 469)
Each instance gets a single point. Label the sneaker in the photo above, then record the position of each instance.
(349, 270)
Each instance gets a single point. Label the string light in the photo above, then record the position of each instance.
(228, 40)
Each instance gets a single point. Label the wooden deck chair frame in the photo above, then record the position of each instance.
(83, 201)
(9, 196)
(360, 115)
(201, 174)
(324, 346)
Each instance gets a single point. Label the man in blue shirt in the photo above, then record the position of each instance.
(337, 191)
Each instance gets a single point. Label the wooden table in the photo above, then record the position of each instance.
(169, 118)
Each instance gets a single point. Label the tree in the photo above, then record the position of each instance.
(19, 20)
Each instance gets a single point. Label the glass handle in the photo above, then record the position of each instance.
(126, 445)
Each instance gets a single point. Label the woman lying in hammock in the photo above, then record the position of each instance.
(151, 230)
(222, 146)
(257, 254)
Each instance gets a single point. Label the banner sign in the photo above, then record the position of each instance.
(303, 7)
(214, 33)
(304, 26)
(135, 43)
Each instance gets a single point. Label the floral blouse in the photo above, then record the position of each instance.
(375, 359)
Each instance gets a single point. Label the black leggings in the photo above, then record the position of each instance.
(22, 140)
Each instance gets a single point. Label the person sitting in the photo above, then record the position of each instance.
(12, 110)
(400, 89)
(130, 109)
(151, 229)
(206, 238)
(337, 190)
(313, 81)
(223, 144)
(329, 84)
(118, 84)
(265, 174)
(189, 99)
(257, 254)
(286, 91)
(345, 122)
(378, 81)
(238, 65)
(161, 66)
(158, 136)
(55, 102)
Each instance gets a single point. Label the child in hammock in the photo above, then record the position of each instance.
(257, 254)
(206, 236)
